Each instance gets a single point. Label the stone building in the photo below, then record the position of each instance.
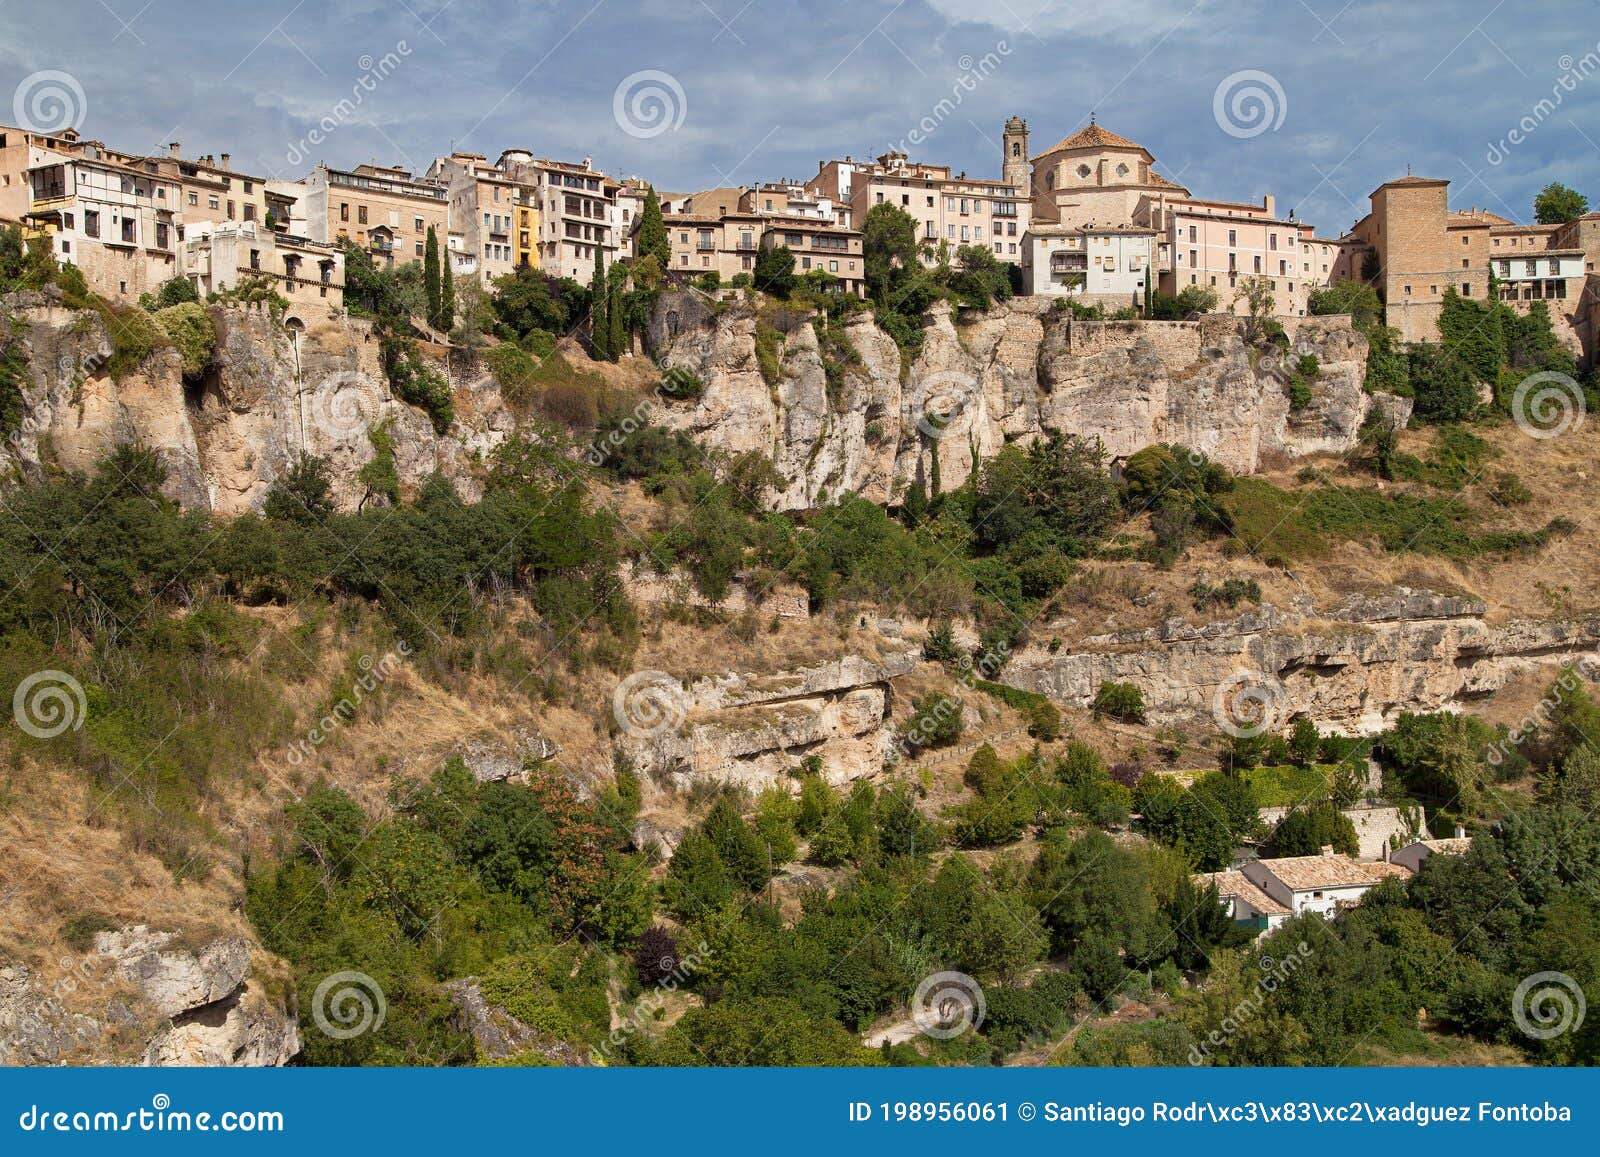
(951, 209)
(384, 210)
(218, 256)
(117, 223)
(493, 218)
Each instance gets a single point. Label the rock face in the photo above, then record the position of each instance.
(498, 1034)
(189, 1006)
(849, 421)
(750, 730)
(1353, 667)
(274, 391)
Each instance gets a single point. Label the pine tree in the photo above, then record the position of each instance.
(447, 300)
(599, 325)
(653, 232)
(430, 277)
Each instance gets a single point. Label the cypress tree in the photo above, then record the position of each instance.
(430, 277)
(599, 325)
(617, 335)
(447, 300)
(653, 232)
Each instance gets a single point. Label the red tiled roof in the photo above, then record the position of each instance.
(1092, 136)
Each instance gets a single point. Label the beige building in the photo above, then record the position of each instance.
(493, 218)
(578, 213)
(1095, 179)
(116, 223)
(385, 211)
(218, 256)
(727, 243)
(209, 188)
(950, 209)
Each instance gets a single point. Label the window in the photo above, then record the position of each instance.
(833, 267)
(1272, 241)
(419, 249)
(91, 222)
(418, 224)
(344, 211)
(230, 210)
(1466, 289)
(1283, 268)
(361, 214)
(249, 186)
(194, 199)
(249, 212)
(161, 235)
(1233, 237)
(255, 259)
(1083, 170)
(129, 230)
(1191, 233)
(211, 203)
(1464, 263)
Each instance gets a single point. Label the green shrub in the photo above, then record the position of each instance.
(417, 382)
(189, 328)
(1121, 701)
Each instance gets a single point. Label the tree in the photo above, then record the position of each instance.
(774, 272)
(1356, 298)
(653, 232)
(1304, 742)
(599, 296)
(888, 248)
(1443, 384)
(616, 313)
(431, 285)
(1256, 293)
(447, 300)
(1556, 204)
(301, 493)
(1306, 831)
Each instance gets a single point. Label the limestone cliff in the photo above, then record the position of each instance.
(1352, 667)
(848, 420)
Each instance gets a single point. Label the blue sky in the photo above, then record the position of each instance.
(1354, 91)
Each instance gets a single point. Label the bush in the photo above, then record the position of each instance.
(189, 328)
(515, 369)
(940, 645)
(417, 382)
(1121, 701)
(935, 721)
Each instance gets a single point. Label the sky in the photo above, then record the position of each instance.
(1314, 101)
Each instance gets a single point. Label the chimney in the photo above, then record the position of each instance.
(226, 157)
(174, 150)
(1270, 204)
(1327, 849)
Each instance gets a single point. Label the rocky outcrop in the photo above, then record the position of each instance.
(142, 995)
(752, 729)
(1352, 667)
(277, 387)
(499, 1035)
(848, 420)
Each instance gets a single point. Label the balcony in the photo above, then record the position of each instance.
(1069, 263)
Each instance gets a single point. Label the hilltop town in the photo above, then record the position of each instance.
(1089, 218)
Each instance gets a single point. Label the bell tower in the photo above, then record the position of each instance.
(1015, 168)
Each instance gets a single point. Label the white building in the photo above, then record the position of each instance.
(1418, 852)
(1321, 884)
(1097, 263)
(217, 256)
